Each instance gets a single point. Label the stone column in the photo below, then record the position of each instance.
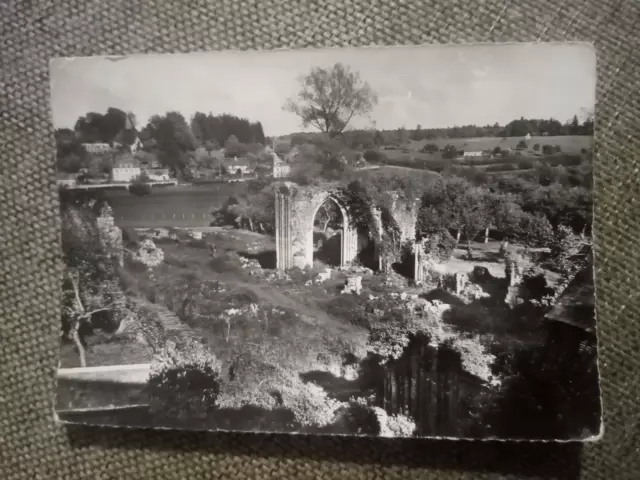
(376, 233)
(349, 244)
(283, 231)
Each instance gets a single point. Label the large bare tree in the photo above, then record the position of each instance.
(330, 97)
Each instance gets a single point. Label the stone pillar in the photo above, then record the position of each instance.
(349, 249)
(418, 268)
(376, 234)
(284, 258)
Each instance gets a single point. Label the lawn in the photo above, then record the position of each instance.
(568, 143)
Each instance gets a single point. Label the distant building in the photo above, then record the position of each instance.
(125, 169)
(238, 166)
(97, 148)
(127, 139)
(157, 174)
(474, 153)
(67, 180)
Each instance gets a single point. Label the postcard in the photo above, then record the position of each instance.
(390, 242)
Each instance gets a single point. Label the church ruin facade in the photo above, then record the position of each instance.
(296, 207)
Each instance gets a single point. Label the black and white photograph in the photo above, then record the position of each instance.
(384, 242)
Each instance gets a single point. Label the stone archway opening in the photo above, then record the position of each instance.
(296, 210)
(328, 225)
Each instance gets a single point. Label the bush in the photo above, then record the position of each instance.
(526, 164)
(522, 145)
(255, 382)
(184, 383)
(140, 189)
(375, 156)
(547, 150)
(430, 148)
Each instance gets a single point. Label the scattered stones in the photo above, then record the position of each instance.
(323, 276)
(353, 285)
(357, 269)
(148, 254)
(196, 234)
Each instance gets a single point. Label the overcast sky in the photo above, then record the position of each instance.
(434, 86)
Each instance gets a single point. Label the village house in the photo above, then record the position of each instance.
(67, 180)
(125, 168)
(472, 153)
(97, 148)
(157, 174)
(281, 169)
(237, 166)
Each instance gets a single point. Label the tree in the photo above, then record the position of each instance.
(90, 286)
(173, 139)
(210, 146)
(430, 148)
(475, 206)
(449, 152)
(522, 145)
(547, 150)
(330, 98)
(536, 147)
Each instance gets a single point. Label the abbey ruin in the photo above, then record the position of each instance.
(296, 207)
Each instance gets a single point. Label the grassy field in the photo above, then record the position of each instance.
(568, 143)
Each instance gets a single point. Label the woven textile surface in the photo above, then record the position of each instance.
(32, 31)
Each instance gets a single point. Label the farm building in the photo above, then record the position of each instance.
(125, 169)
(97, 148)
(281, 169)
(67, 179)
(473, 153)
(238, 166)
(157, 174)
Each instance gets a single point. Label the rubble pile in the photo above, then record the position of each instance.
(353, 285)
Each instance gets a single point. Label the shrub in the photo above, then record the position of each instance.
(430, 148)
(375, 156)
(522, 145)
(140, 189)
(184, 383)
(547, 150)
(526, 164)
(256, 382)
(360, 418)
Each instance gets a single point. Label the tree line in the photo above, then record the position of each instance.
(170, 138)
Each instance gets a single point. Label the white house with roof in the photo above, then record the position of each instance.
(473, 153)
(125, 169)
(97, 148)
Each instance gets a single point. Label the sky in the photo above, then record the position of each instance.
(431, 86)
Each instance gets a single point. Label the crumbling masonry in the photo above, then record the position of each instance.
(296, 207)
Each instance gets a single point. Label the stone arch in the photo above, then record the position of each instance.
(296, 207)
(349, 236)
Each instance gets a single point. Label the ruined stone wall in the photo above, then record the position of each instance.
(296, 208)
(406, 216)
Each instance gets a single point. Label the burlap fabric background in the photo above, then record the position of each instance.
(32, 446)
